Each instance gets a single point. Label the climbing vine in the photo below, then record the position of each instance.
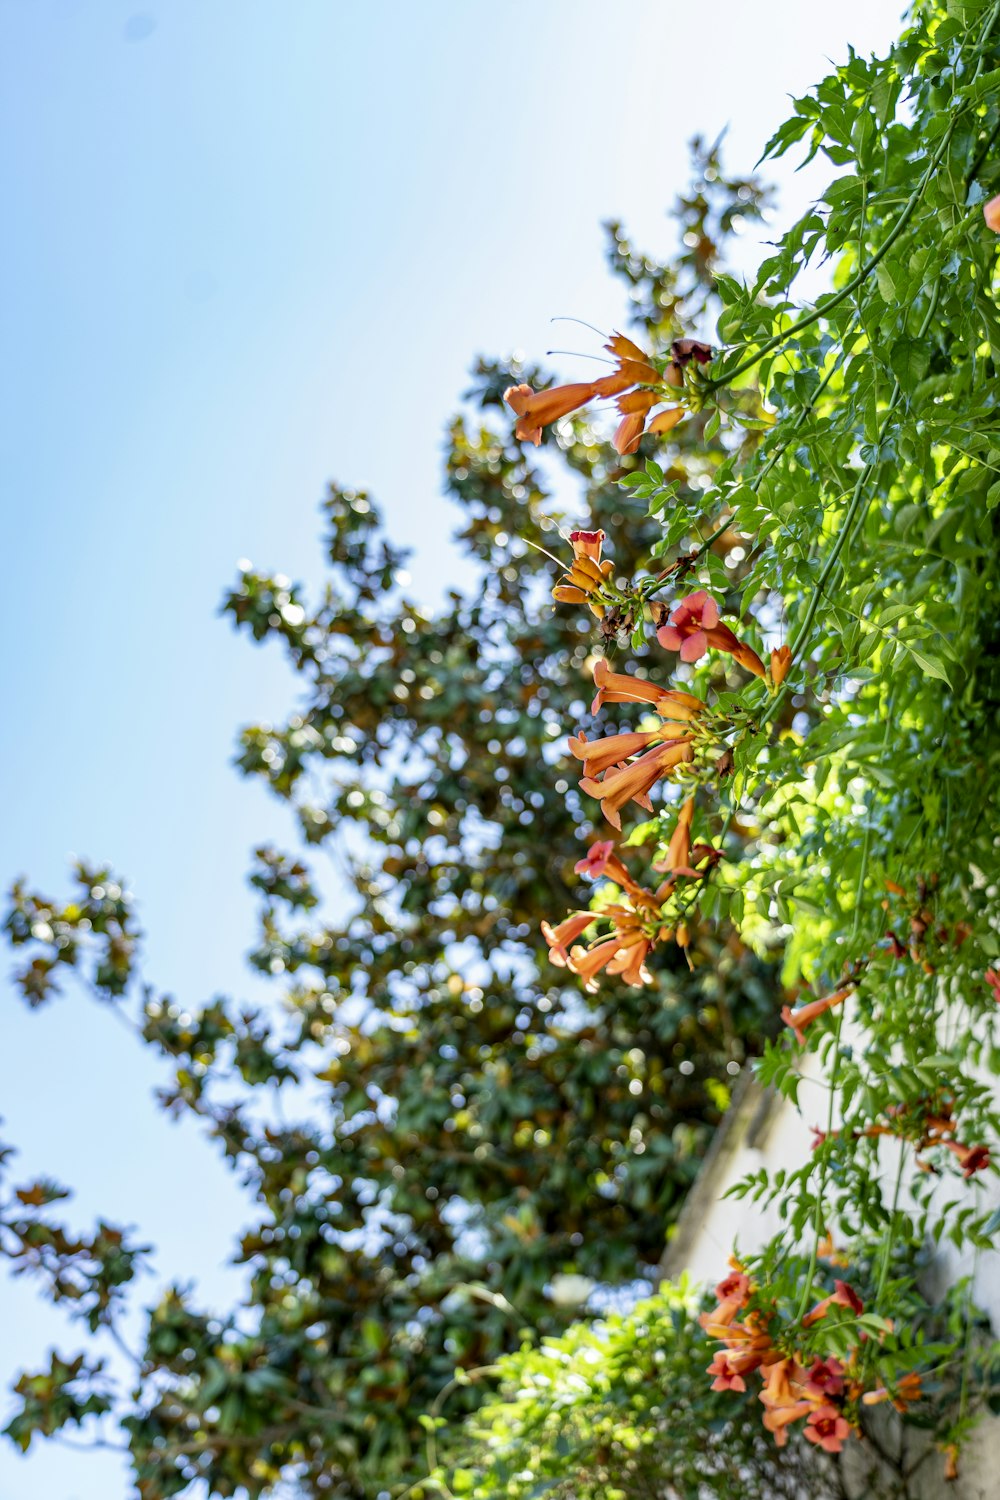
(856, 752)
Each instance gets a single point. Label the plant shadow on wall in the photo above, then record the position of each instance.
(501, 1082)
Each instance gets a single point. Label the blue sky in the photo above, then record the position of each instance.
(251, 246)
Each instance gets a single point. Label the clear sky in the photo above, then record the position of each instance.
(249, 246)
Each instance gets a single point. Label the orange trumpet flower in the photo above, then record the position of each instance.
(587, 963)
(537, 409)
(635, 408)
(622, 687)
(729, 1370)
(804, 1015)
(678, 856)
(633, 782)
(826, 1378)
(666, 421)
(828, 1429)
(636, 383)
(636, 921)
(614, 749)
(558, 938)
(588, 544)
(971, 1159)
(778, 1418)
(587, 574)
(842, 1296)
(601, 859)
(623, 955)
(783, 1385)
(597, 859)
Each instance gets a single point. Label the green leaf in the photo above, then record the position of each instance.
(886, 285)
(909, 361)
(930, 664)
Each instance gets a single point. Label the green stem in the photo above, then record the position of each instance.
(819, 1216)
(981, 156)
(851, 516)
(753, 486)
(835, 1071)
(883, 1274)
(963, 1399)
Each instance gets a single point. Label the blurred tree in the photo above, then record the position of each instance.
(472, 1130)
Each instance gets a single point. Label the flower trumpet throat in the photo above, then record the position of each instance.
(694, 625)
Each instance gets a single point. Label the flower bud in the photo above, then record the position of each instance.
(684, 350)
(781, 660)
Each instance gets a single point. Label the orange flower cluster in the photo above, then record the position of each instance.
(637, 920)
(624, 768)
(824, 1394)
(587, 574)
(637, 384)
(635, 930)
